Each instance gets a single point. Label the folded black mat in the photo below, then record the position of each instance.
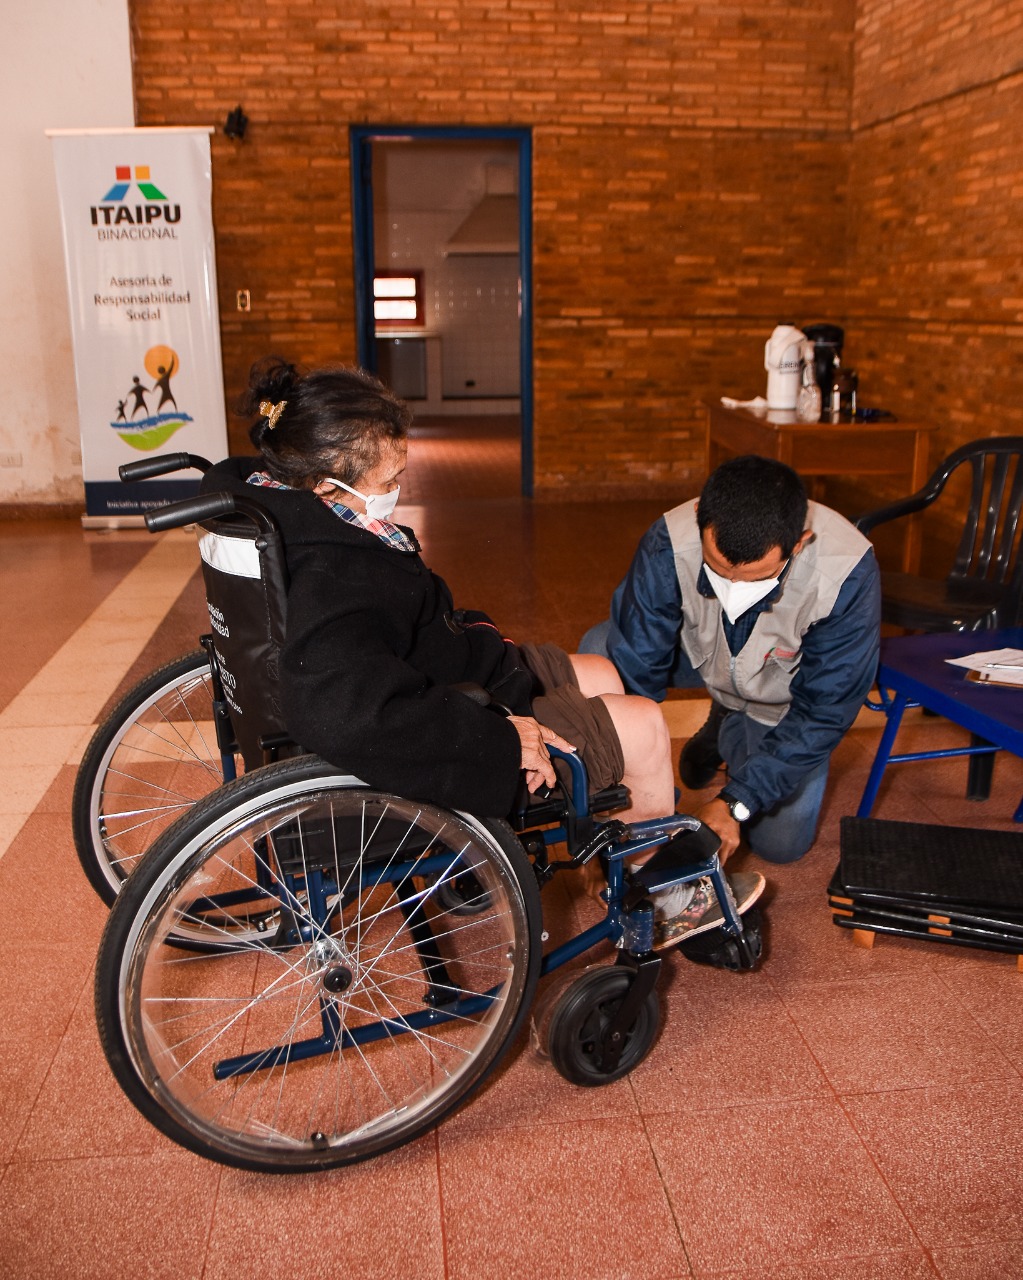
(950, 867)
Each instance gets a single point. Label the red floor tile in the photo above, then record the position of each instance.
(375, 1221)
(42, 874)
(993, 995)
(953, 1158)
(805, 946)
(985, 1262)
(898, 1032)
(563, 1200)
(23, 1069)
(41, 987)
(763, 1186)
(81, 1111)
(719, 1029)
(96, 1219)
(886, 1266)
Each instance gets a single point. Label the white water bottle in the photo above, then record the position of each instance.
(782, 362)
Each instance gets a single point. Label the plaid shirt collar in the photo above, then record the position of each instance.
(388, 533)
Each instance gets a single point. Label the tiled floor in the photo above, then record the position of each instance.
(840, 1113)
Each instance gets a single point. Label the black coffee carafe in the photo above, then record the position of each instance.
(827, 342)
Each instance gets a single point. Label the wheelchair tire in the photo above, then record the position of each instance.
(580, 1019)
(153, 757)
(346, 1012)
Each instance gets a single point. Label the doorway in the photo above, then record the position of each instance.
(443, 250)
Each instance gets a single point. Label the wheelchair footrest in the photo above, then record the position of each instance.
(688, 855)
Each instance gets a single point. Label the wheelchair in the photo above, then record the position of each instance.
(302, 971)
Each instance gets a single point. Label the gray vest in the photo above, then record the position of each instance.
(757, 680)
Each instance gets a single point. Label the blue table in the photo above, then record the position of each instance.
(914, 669)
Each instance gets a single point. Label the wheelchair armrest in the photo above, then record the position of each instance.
(475, 692)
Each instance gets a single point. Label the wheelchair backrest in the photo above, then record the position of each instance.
(246, 594)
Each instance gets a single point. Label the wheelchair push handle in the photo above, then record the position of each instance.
(147, 468)
(207, 506)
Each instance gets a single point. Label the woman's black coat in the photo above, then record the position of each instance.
(373, 644)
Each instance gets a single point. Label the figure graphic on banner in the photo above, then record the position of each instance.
(139, 392)
(163, 383)
(155, 429)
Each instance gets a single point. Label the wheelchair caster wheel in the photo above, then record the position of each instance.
(577, 1034)
(718, 949)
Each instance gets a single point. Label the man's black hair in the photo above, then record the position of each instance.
(753, 504)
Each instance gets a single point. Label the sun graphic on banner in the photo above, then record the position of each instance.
(159, 422)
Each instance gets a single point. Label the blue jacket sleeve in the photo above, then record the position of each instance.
(646, 615)
(837, 667)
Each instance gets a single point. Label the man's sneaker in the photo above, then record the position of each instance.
(704, 911)
(700, 759)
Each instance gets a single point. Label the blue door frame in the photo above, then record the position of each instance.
(361, 139)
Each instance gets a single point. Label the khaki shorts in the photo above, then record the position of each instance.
(585, 722)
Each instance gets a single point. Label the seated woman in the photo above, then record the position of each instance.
(374, 642)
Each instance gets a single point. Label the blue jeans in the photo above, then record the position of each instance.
(787, 831)
(782, 834)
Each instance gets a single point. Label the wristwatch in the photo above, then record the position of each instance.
(739, 811)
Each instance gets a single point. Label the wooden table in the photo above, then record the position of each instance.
(843, 449)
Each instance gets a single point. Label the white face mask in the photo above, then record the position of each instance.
(379, 506)
(737, 597)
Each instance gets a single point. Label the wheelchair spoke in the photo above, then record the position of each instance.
(148, 764)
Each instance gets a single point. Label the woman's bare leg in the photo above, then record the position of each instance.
(646, 748)
(646, 744)
(596, 675)
(649, 771)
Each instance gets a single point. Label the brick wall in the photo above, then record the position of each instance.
(690, 163)
(695, 181)
(935, 298)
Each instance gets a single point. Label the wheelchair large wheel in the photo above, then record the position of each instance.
(150, 761)
(347, 1010)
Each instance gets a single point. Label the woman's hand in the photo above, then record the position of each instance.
(536, 760)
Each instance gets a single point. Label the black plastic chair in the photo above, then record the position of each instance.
(984, 589)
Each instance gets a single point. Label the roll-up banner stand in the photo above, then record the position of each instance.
(136, 208)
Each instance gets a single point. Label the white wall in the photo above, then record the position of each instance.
(67, 65)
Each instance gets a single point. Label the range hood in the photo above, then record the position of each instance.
(493, 226)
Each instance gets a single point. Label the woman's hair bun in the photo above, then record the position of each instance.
(271, 375)
(271, 378)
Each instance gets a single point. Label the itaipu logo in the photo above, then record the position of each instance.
(157, 424)
(117, 217)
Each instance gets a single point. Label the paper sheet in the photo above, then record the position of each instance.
(1002, 665)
